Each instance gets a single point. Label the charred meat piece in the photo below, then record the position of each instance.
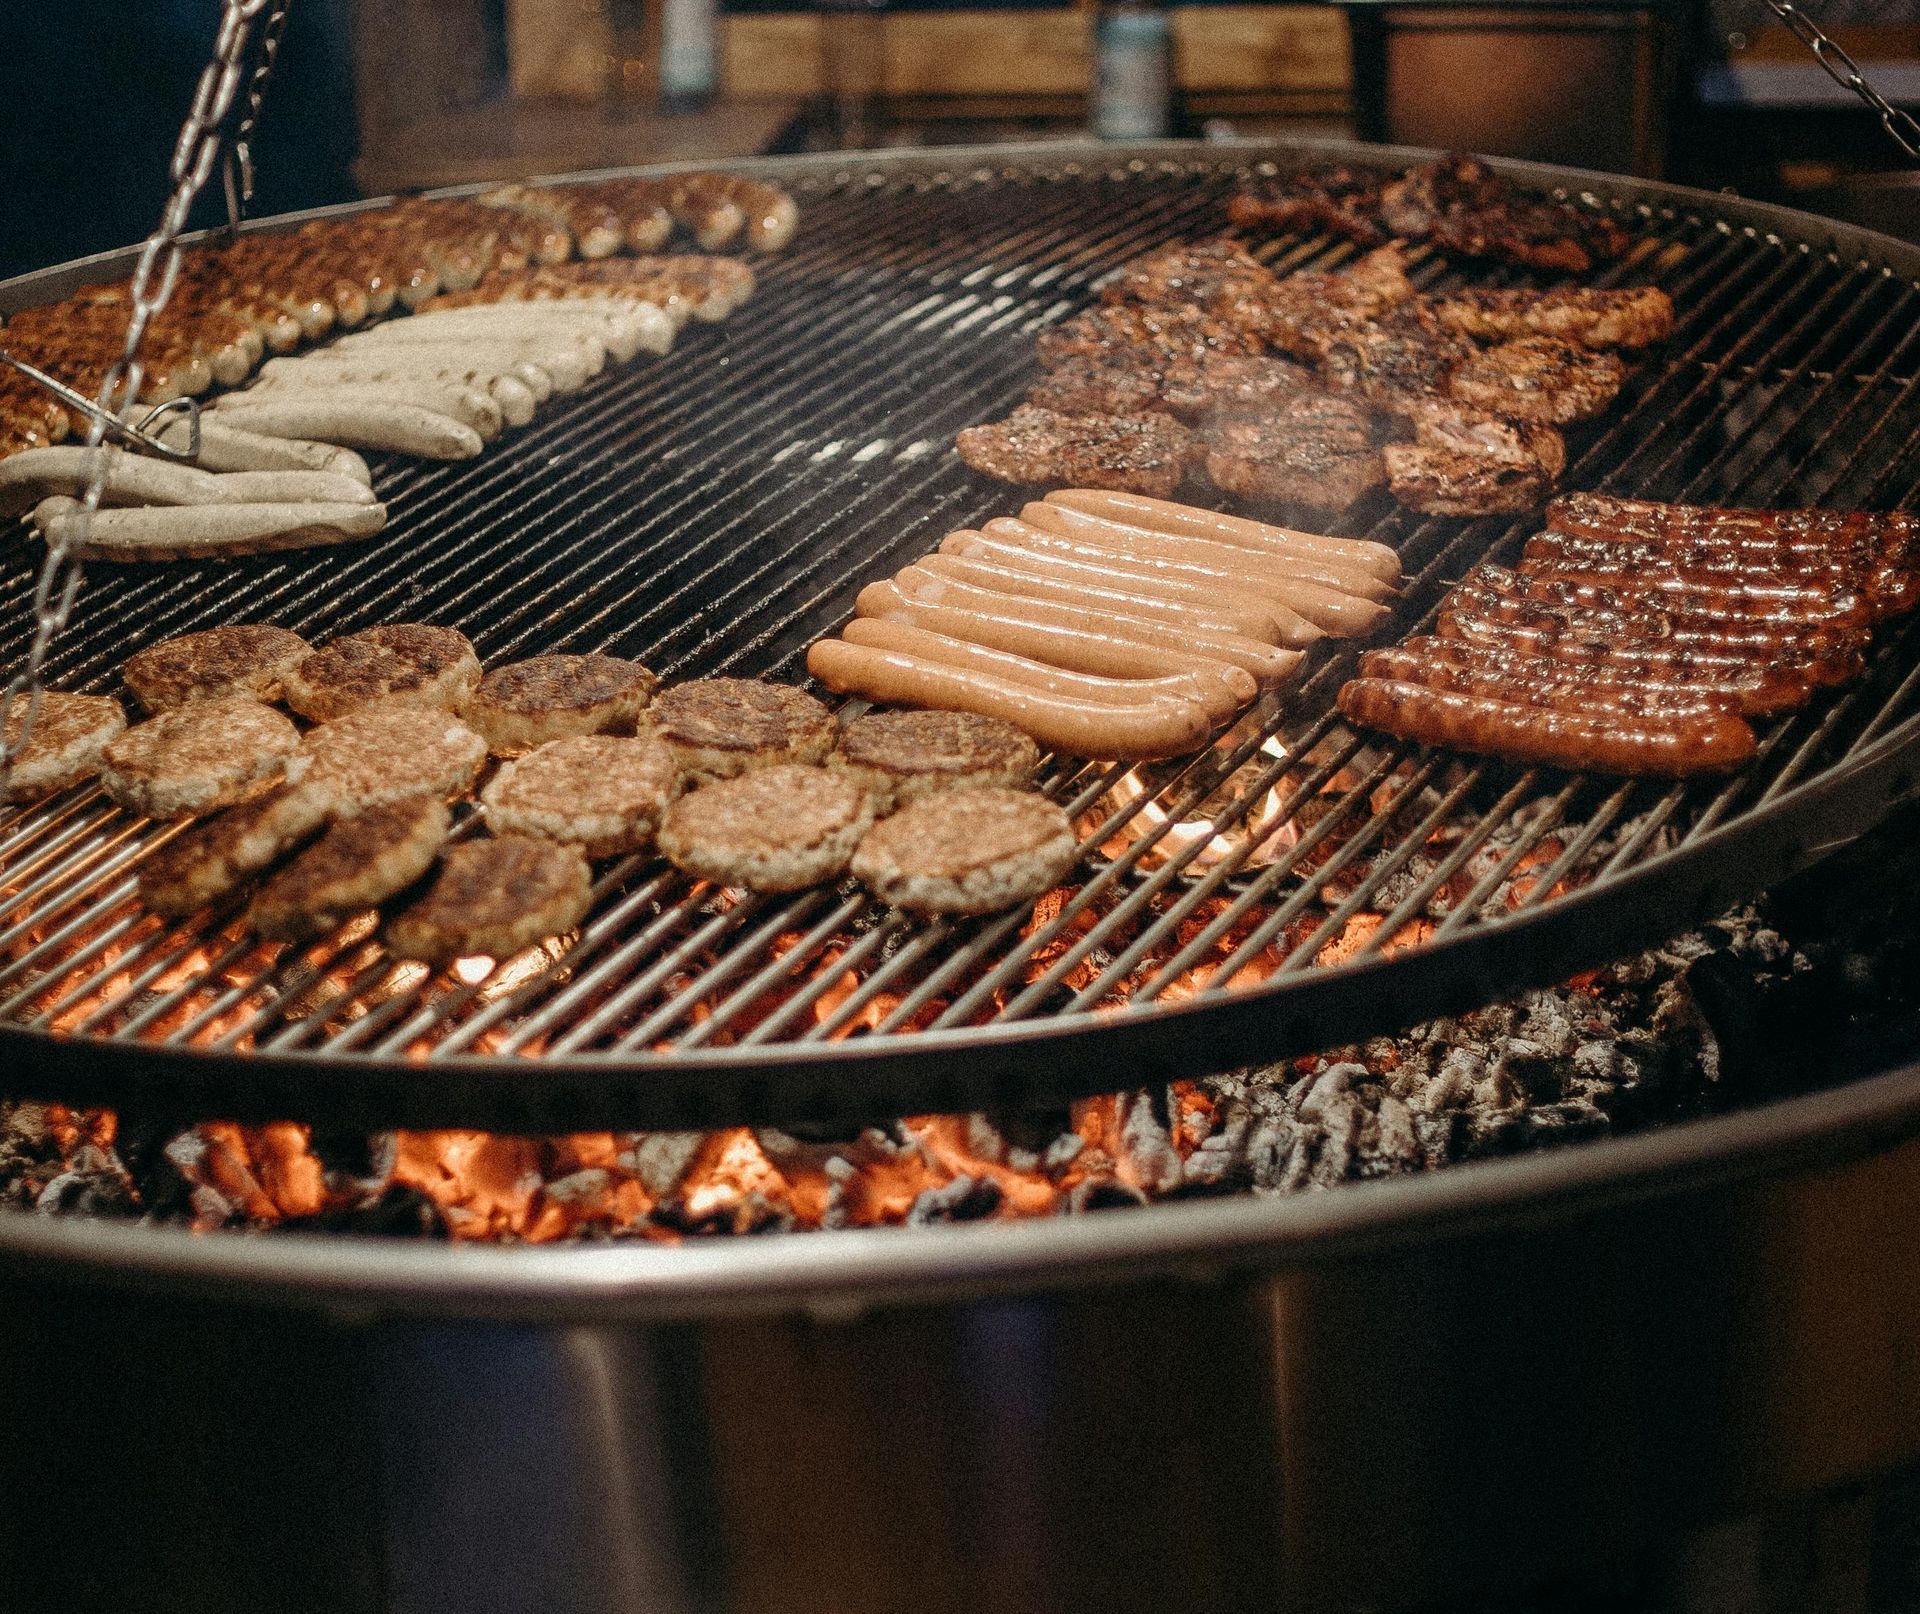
(1220, 277)
(1461, 206)
(1148, 454)
(1231, 384)
(1465, 462)
(1309, 311)
(1637, 317)
(1084, 385)
(1540, 379)
(1397, 362)
(1146, 335)
(1341, 201)
(1316, 450)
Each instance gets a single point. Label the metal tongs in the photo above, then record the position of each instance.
(138, 434)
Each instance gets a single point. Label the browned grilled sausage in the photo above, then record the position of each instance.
(1095, 690)
(1672, 745)
(1658, 619)
(1808, 590)
(1750, 690)
(1121, 733)
(1628, 586)
(1609, 518)
(1574, 637)
(1534, 680)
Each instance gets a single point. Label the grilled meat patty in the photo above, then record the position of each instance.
(430, 666)
(1105, 385)
(69, 734)
(494, 896)
(1315, 450)
(967, 851)
(358, 864)
(719, 727)
(1231, 383)
(1538, 378)
(775, 829)
(244, 659)
(209, 860)
(199, 757)
(901, 756)
(1148, 454)
(387, 749)
(1146, 334)
(1219, 277)
(600, 792)
(527, 703)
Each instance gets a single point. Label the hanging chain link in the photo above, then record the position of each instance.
(238, 167)
(1844, 71)
(194, 155)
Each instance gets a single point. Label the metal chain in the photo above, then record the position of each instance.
(237, 174)
(1844, 71)
(194, 156)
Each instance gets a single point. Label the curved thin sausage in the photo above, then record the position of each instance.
(1262, 618)
(1104, 655)
(965, 654)
(1120, 733)
(1011, 580)
(1330, 610)
(396, 427)
(1672, 747)
(1163, 515)
(469, 405)
(227, 448)
(1305, 566)
(1267, 665)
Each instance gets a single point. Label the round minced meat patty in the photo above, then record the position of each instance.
(967, 851)
(902, 756)
(774, 829)
(720, 727)
(601, 792)
(410, 661)
(528, 703)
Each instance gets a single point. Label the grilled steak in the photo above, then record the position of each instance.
(1633, 318)
(1100, 385)
(1464, 462)
(1144, 335)
(1231, 383)
(1539, 379)
(1316, 450)
(1397, 362)
(1459, 205)
(1309, 311)
(1140, 454)
(1341, 201)
(1219, 277)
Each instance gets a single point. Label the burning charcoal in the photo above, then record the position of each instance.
(1103, 1193)
(965, 1199)
(658, 1159)
(1149, 1150)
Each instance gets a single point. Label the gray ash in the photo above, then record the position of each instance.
(1818, 983)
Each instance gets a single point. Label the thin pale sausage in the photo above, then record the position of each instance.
(1122, 733)
(1307, 565)
(958, 650)
(1163, 515)
(392, 427)
(1328, 609)
(1267, 665)
(1103, 654)
(1010, 580)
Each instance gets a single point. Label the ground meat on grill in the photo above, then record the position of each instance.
(1148, 454)
(1637, 317)
(1341, 201)
(1316, 450)
(1460, 205)
(1149, 336)
(1231, 383)
(1396, 362)
(1109, 385)
(1537, 378)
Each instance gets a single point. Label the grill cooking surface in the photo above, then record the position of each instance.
(718, 510)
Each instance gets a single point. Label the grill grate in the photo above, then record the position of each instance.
(719, 510)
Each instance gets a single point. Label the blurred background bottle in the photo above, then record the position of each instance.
(1133, 71)
(689, 55)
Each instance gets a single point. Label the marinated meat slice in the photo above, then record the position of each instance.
(1145, 335)
(1460, 205)
(1446, 424)
(1231, 383)
(1219, 277)
(1540, 379)
(1148, 454)
(1637, 317)
(1449, 482)
(1317, 451)
(1112, 385)
(1308, 311)
(1342, 201)
(1398, 362)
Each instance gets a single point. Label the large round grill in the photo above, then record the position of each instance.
(719, 509)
